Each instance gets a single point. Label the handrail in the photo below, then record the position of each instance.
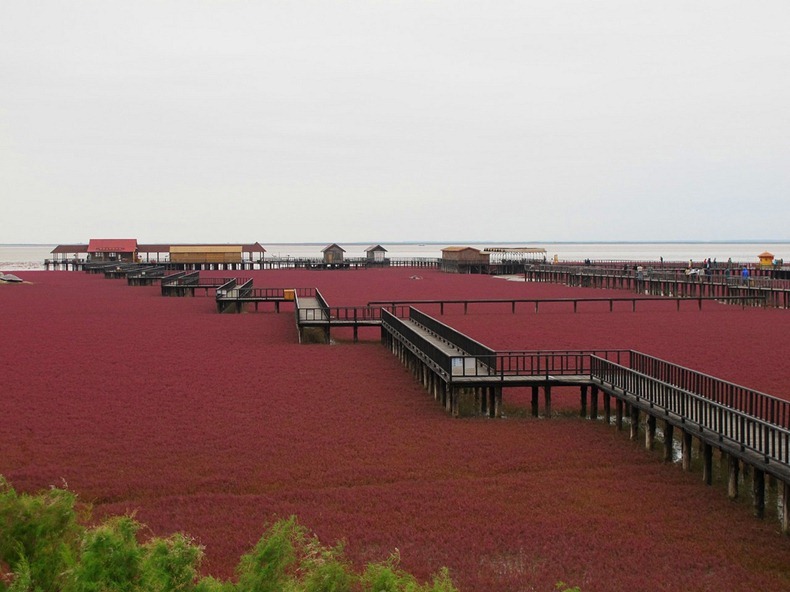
(747, 431)
(409, 336)
(485, 355)
(538, 363)
(571, 300)
(770, 408)
(181, 278)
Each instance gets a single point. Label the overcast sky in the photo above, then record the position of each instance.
(302, 121)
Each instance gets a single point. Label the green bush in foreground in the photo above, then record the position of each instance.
(45, 547)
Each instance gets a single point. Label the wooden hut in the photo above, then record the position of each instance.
(333, 254)
(376, 254)
(113, 249)
(464, 260)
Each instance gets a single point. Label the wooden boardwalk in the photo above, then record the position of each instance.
(720, 283)
(751, 429)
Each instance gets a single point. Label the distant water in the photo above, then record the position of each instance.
(31, 257)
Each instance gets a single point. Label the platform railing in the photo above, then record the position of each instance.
(744, 430)
(416, 342)
(483, 354)
(537, 363)
(771, 409)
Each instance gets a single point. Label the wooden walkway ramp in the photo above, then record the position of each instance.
(751, 428)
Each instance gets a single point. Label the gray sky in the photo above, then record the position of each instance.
(274, 121)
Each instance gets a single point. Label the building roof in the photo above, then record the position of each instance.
(205, 249)
(765, 255)
(457, 249)
(61, 249)
(153, 248)
(332, 246)
(375, 248)
(165, 248)
(112, 245)
(253, 248)
(514, 250)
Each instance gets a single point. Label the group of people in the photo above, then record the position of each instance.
(708, 265)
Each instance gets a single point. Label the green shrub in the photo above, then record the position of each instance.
(38, 535)
(46, 549)
(110, 558)
(171, 564)
(266, 567)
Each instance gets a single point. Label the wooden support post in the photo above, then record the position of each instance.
(707, 463)
(535, 401)
(607, 408)
(583, 411)
(594, 402)
(785, 508)
(758, 492)
(497, 406)
(634, 423)
(669, 442)
(732, 482)
(650, 432)
(618, 411)
(686, 445)
(547, 398)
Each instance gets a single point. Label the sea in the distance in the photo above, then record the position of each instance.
(31, 257)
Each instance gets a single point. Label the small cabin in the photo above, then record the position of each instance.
(464, 260)
(205, 253)
(469, 254)
(333, 253)
(376, 254)
(121, 250)
(766, 259)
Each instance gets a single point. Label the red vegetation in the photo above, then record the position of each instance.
(216, 424)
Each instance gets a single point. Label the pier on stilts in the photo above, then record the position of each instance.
(720, 283)
(749, 429)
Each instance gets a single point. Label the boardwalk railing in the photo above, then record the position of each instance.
(416, 343)
(482, 354)
(350, 314)
(771, 409)
(743, 430)
(575, 302)
(726, 284)
(182, 278)
(544, 363)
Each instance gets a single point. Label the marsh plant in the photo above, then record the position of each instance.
(45, 546)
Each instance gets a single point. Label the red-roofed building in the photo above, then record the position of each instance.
(113, 249)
